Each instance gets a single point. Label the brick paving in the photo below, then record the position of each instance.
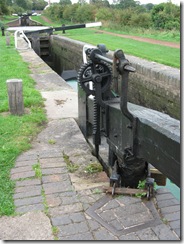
(84, 213)
(87, 214)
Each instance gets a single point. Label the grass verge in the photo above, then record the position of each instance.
(152, 52)
(164, 35)
(6, 18)
(16, 132)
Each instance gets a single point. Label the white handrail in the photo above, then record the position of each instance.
(85, 47)
(17, 34)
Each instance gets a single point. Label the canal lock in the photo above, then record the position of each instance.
(43, 47)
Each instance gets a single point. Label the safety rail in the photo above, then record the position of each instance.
(17, 35)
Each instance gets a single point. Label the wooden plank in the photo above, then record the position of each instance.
(123, 190)
(15, 96)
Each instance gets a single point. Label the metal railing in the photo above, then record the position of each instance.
(20, 34)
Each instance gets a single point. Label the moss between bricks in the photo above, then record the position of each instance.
(71, 166)
(37, 169)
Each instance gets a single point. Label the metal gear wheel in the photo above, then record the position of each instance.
(88, 73)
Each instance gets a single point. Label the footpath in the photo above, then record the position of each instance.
(55, 196)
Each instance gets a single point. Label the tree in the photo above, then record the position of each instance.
(149, 6)
(9, 2)
(101, 3)
(65, 2)
(166, 16)
(85, 13)
(3, 7)
(55, 11)
(123, 4)
(69, 12)
(25, 4)
(104, 14)
(141, 20)
(38, 4)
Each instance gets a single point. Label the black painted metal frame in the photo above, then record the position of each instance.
(135, 134)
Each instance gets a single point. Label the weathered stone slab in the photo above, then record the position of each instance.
(30, 226)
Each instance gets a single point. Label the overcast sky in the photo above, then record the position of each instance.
(141, 1)
(159, 1)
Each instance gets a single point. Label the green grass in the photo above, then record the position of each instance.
(37, 169)
(16, 132)
(157, 53)
(40, 19)
(152, 52)
(7, 18)
(164, 35)
(71, 166)
(43, 22)
(94, 167)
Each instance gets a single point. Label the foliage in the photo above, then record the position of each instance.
(55, 232)
(97, 191)
(100, 3)
(166, 16)
(123, 13)
(142, 20)
(25, 4)
(171, 36)
(55, 11)
(20, 6)
(85, 13)
(144, 50)
(3, 7)
(46, 207)
(71, 166)
(65, 2)
(104, 14)
(141, 186)
(38, 4)
(16, 132)
(52, 142)
(125, 4)
(94, 167)
(69, 12)
(16, 9)
(37, 169)
(148, 6)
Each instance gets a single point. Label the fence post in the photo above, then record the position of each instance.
(7, 38)
(2, 29)
(63, 25)
(15, 96)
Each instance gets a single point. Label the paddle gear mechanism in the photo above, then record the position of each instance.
(105, 113)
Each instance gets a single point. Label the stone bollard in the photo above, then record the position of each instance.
(15, 96)
(7, 38)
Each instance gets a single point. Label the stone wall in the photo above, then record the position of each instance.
(153, 85)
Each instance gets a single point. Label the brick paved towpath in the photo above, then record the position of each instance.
(53, 202)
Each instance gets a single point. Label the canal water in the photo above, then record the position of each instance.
(175, 190)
